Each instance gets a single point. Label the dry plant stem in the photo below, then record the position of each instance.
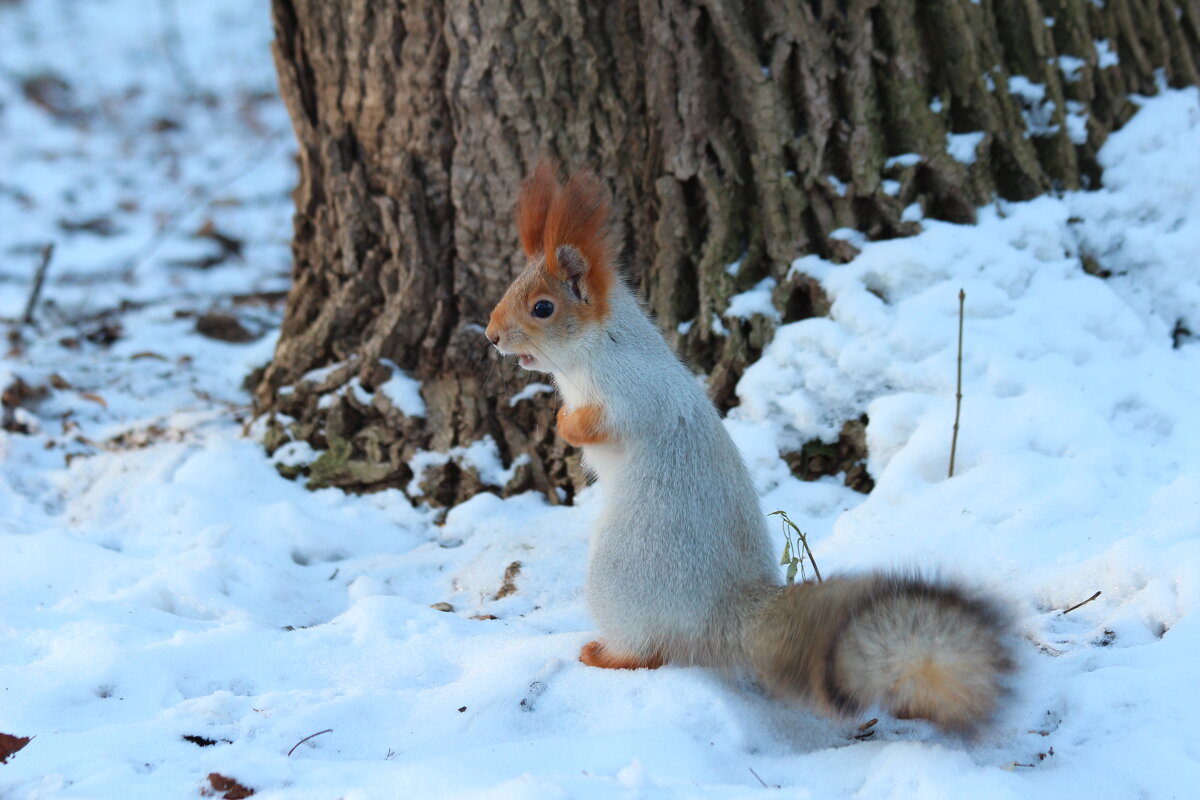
(803, 540)
(811, 559)
(760, 780)
(172, 43)
(962, 296)
(306, 738)
(39, 278)
(1084, 603)
(175, 218)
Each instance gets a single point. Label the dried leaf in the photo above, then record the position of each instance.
(95, 398)
(231, 788)
(204, 741)
(100, 226)
(223, 327)
(104, 332)
(509, 586)
(11, 744)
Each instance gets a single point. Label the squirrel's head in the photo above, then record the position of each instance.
(561, 299)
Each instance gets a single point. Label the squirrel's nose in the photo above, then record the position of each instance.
(493, 330)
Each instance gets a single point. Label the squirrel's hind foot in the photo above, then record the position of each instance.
(595, 654)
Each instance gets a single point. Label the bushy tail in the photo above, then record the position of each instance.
(917, 648)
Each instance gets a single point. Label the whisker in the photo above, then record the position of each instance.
(490, 371)
(503, 369)
(558, 369)
(482, 356)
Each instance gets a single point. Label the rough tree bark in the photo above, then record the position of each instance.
(735, 136)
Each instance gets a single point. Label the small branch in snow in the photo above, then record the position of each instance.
(172, 43)
(39, 278)
(962, 296)
(173, 220)
(760, 780)
(306, 738)
(1084, 603)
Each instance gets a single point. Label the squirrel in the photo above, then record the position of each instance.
(680, 562)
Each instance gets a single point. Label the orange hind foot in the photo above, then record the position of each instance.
(595, 654)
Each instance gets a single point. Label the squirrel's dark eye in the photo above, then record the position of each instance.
(543, 308)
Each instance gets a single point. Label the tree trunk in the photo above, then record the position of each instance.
(735, 136)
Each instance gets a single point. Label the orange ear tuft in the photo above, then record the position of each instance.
(577, 218)
(537, 194)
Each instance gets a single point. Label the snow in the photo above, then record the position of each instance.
(403, 391)
(903, 160)
(1071, 67)
(1105, 57)
(1076, 119)
(964, 147)
(161, 580)
(483, 456)
(851, 235)
(755, 301)
(1035, 108)
(531, 391)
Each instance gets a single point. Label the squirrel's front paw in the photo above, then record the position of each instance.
(582, 426)
(595, 654)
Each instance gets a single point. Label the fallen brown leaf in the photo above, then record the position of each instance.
(223, 327)
(11, 744)
(231, 788)
(509, 586)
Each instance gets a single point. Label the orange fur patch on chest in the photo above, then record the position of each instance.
(582, 426)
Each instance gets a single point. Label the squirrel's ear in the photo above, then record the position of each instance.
(537, 194)
(572, 268)
(575, 228)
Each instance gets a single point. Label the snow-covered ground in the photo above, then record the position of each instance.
(159, 580)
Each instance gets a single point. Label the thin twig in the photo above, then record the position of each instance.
(39, 278)
(1084, 603)
(172, 43)
(204, 197)
(306, 738)
(962, 296)
(760, 780)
